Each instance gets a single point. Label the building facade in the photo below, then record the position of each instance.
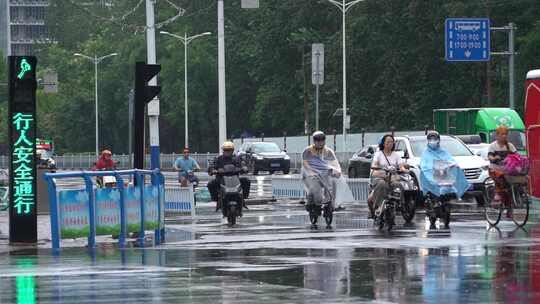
(22, 26)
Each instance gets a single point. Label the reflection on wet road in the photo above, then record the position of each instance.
(274, 257)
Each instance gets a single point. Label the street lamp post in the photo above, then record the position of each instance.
(344, 7)
(96, 60)
(185, 40)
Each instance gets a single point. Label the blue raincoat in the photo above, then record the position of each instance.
(456, 182)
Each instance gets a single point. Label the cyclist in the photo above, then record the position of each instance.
(497, 153)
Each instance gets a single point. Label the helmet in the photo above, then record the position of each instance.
(318, 135)
(227, 146)
(433, 135)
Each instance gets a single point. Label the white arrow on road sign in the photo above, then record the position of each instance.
(468, 53)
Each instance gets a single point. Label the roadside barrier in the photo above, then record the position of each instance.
(179, 201)
(292, 187)
(107, 211)
(359, 188)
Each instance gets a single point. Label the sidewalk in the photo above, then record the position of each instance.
(44, 232)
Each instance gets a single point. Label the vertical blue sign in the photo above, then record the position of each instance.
(467, 39)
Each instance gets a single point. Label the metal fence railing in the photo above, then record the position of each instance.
(292, 187)
(86, 161)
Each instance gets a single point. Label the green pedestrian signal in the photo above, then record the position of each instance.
(24, 68)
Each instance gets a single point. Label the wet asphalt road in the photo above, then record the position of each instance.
(273, 256)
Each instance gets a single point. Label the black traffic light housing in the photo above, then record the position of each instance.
(143, 95)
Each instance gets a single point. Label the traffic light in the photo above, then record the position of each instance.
(22, 139)
(144, 93)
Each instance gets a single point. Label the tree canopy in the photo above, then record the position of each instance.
(396, 69)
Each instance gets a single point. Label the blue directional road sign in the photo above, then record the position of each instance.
(467, 39)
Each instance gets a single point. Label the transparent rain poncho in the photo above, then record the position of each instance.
(439, 174)
(323, 163)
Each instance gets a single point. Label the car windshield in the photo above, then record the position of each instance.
(515, 137)
(453, 146)
(266, 148)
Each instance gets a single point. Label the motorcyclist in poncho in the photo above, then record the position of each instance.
(434, 160)
(321, 168)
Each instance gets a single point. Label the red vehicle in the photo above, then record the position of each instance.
(532, 125)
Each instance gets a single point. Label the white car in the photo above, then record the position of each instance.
(475, 168)
(480, 150)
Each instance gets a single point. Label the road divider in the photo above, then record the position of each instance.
(179, 201)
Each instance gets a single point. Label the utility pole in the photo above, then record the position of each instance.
(344, 7)
(222, 109)
(511, 53)
(153, 106)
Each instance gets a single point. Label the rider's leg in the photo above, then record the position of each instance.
(224, 208)
(246, 185)
(333, 191)
(380, 190)
(314, 195)
(501, 187)
(213, 187)
(183, 181)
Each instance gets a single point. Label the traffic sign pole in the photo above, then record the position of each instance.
(511, 53)
(317, 74)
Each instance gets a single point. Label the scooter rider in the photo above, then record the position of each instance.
(184, 165)
(319, 161)
(227, 158)
(105, 163)
(428, 170)
(385, 158)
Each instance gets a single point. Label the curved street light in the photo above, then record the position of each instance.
(96, 60)
(185, 40)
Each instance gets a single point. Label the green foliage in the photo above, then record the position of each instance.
(395, 59)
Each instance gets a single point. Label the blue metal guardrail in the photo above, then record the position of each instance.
(86, 207)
